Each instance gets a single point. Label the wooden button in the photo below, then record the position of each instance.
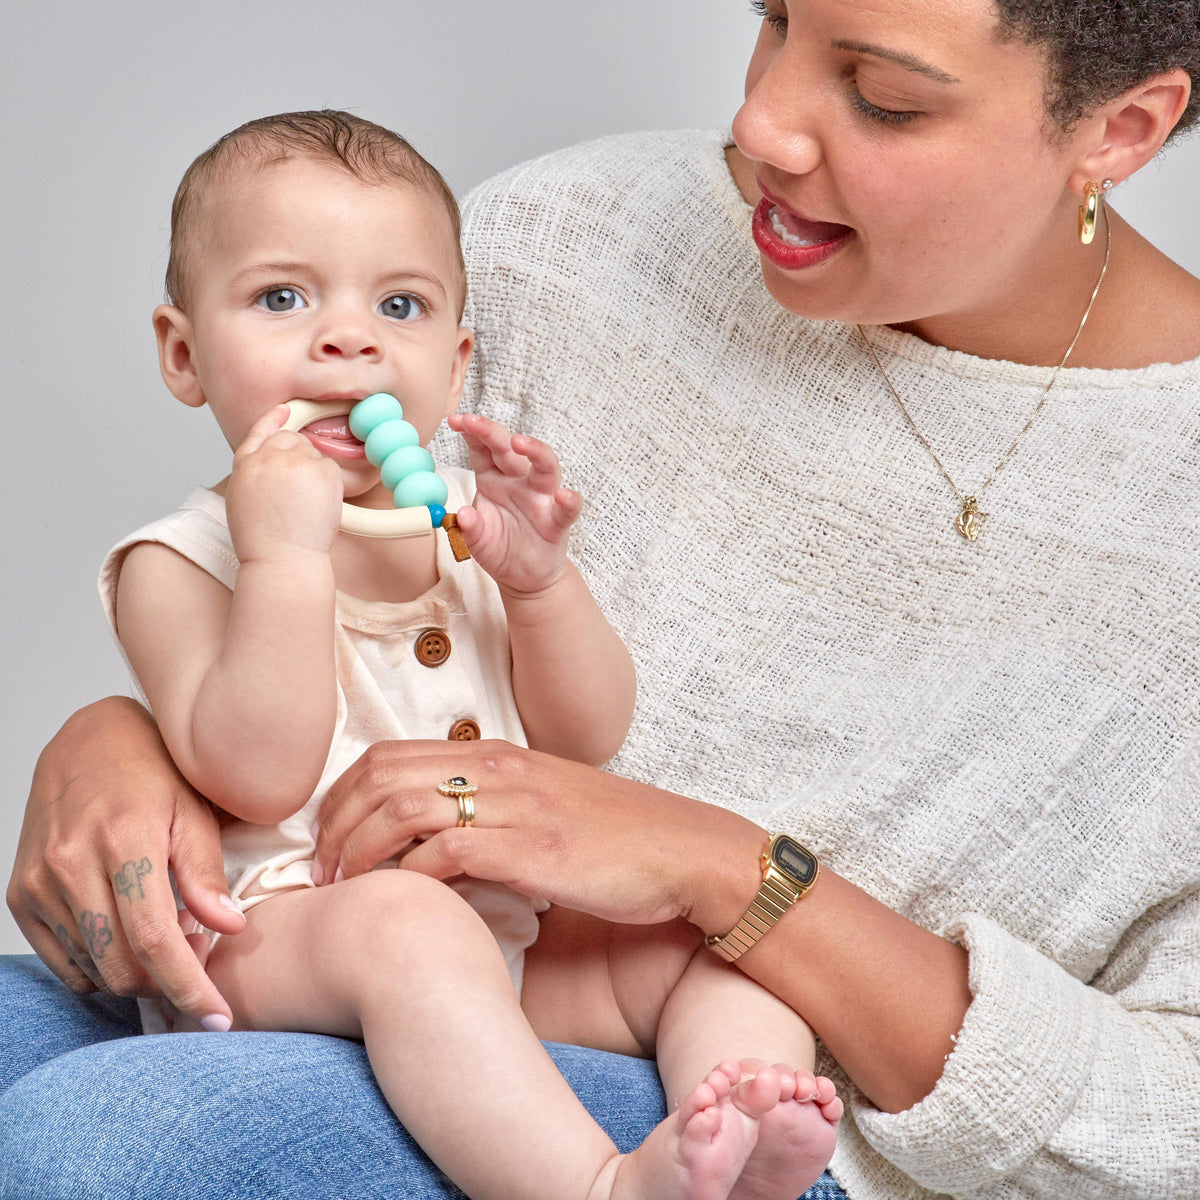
(432, 647)
(464, 730)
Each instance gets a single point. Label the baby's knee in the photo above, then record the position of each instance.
(411, 914)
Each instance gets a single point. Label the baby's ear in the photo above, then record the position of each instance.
(458, 368)
(173, 331)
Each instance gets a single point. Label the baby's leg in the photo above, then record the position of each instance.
(737, 1130)
(778, 1120)
(402, 962)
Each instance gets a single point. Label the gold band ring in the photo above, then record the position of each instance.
(464, 792)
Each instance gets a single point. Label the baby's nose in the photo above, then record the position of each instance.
(347, 338)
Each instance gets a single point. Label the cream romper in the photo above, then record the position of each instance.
(435, 667)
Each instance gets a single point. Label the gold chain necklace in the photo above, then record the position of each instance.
(970, 519)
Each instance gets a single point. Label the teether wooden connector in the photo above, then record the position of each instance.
(457, 545)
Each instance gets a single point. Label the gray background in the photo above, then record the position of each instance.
(106, 104)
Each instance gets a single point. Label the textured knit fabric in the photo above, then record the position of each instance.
(999, 740)
(384, 693)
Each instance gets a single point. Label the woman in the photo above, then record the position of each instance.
(893, 474)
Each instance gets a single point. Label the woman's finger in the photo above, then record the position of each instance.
(199, 869)
(389, 831)
(58, 948)
(384, 772)
(149, 922)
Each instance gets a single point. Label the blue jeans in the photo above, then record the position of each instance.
(87, 1113)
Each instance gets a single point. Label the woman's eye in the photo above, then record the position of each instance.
(777, 23)
(402, 308)
(885, 116)
(281, 300)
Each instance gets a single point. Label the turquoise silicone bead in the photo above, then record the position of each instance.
(403, 462)
(372, 411)
(437, 514)
(389, 436)
(420, 488)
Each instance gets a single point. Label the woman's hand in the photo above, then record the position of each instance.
(549, 828)
(108, 815)
(885, 996)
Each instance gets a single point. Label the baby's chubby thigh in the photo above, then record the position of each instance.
(324, 960)
(590, 982)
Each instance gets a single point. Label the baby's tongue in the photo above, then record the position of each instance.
(797, 231)
(334, 428)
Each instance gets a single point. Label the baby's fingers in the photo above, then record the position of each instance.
(489, 444)
(269, 423)
(568, 505)
(544, 473)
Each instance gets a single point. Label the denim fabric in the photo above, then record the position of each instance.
(91, 1115)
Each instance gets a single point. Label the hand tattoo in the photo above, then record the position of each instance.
(79, 956)
(96, 933)
(130, 877)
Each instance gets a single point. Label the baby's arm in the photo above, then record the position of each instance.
(572, 676)
(243, 684)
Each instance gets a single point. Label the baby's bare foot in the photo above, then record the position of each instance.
(796, 1133)
(742, 1132)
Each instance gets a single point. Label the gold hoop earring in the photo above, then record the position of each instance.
(1089, 212)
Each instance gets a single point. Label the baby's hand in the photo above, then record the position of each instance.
(284, 499)
(517, 528)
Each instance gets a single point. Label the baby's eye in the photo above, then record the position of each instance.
(402, 308)
(281, 300)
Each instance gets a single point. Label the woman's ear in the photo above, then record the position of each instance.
(458, 368)
(173, 332)
(1131, 130)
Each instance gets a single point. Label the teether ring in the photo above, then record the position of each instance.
(405, 466)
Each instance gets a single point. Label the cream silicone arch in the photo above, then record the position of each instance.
(406, 521)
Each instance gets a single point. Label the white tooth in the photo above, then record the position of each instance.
(785, 234)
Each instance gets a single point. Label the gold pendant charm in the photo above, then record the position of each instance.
(970, 520)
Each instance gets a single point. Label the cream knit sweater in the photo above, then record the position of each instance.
(998, 740)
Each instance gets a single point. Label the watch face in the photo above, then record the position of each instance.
(791, 857)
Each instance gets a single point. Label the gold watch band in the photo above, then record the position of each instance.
(779, 891)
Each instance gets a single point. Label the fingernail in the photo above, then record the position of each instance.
(339, 876)
(228, 902)
(216, 1023)
(318, 873)
(189, 924)
(314, 829)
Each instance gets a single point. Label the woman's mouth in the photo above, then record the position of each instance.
(791, 241)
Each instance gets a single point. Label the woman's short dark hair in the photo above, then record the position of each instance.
(1099, 49)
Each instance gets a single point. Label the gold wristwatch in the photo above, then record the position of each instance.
(789, 870)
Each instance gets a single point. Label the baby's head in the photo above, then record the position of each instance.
(365, 151)
(314, 256)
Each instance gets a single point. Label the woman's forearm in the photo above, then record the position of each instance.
(884, 995)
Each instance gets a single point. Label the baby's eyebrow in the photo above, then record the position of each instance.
(909, 62)
(271, 268)
(400, 278)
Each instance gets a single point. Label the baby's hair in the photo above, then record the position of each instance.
(367, 151)
(1098, 49)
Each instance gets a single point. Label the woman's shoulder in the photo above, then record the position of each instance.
(609, 192)
(613, 163)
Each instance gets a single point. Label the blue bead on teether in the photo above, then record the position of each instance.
(405, 466)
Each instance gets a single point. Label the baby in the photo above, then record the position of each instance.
(315, 256)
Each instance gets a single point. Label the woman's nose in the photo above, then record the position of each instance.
(777, 123)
